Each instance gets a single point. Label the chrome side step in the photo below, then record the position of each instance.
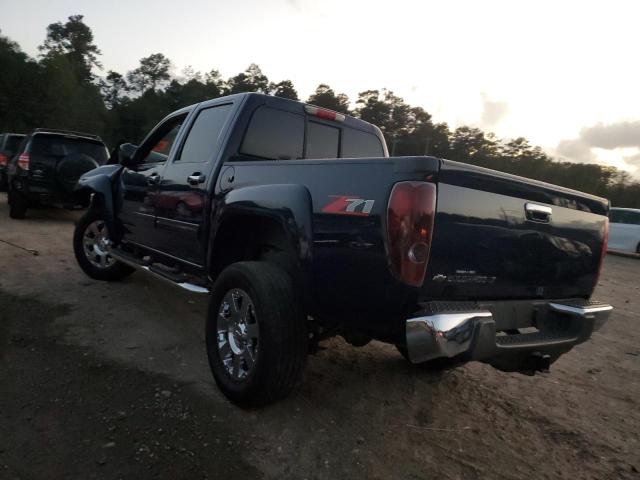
(190, 287)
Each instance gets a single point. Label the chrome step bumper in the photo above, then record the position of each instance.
(445, 330)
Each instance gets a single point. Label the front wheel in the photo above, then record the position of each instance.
(256, 337)
(91, 246)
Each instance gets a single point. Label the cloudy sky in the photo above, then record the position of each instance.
(565, 74)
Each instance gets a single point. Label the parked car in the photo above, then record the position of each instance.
(9, 143)
(300, 227)
(46, 167)
(625, 230)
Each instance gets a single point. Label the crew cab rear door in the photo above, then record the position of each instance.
(181, 199)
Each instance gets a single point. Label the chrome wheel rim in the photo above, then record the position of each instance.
(238, 334)
(96, 245)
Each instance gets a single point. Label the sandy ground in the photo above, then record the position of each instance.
(110, 380)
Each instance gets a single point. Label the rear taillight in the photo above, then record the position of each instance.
(23, 161)
(605, 246)
(410, 217)
(3, 159)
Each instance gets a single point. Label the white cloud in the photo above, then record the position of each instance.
(616, 144)
(493, 111)
(614, 135)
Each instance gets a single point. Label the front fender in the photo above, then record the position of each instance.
(103, 184)
(289, 205)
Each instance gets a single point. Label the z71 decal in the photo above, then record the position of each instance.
(349, 205)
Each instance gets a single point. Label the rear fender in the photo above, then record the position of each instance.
(289, 206)
(103, 186)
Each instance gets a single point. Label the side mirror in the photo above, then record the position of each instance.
(126, 155)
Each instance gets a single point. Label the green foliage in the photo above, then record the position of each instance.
(74, 41)
(251, 80)
(325, 97)
(284, 89)
(61, 90)
(152, 72)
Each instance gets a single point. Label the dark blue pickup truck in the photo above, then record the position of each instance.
(300, 226)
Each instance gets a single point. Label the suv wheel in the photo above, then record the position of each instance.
(256, 338)
(17, 205)
(91, 246)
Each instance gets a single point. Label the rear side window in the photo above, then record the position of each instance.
(356, 143)
(322, 141)
(204, 137)
(274, 134)
(59, 146)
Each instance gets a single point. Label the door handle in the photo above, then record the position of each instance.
(196, 179)
(153, 179)
(538, 213)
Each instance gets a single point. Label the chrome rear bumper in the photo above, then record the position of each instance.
(448, 330)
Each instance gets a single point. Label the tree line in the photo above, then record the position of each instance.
(59, 89)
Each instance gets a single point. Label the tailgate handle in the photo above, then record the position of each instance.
(538, 213)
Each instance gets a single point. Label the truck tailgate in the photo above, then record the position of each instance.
(502, 236)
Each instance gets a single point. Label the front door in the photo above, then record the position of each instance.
(141, 183)
(181, 202)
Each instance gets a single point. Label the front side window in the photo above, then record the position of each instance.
(162, 141)
(204, 136)
(274, 134)
(322, 141)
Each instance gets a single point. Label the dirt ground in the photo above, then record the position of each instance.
(110, 380)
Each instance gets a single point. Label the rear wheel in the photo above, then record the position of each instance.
(91, 245)
(18, 205)
(256, 338)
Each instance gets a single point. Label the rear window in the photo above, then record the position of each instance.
(59, 146)
(356, 143)
(274, 134)
(13, 142)
(322, 141)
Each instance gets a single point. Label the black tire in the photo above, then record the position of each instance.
(282, 340)
(113, 270)
(638, 249)
(18, 205)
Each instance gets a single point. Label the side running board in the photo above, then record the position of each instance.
(173, 279)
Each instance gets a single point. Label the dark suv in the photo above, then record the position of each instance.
(9, 143)
(46, 167)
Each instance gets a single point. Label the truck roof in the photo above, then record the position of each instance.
(288, 105)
